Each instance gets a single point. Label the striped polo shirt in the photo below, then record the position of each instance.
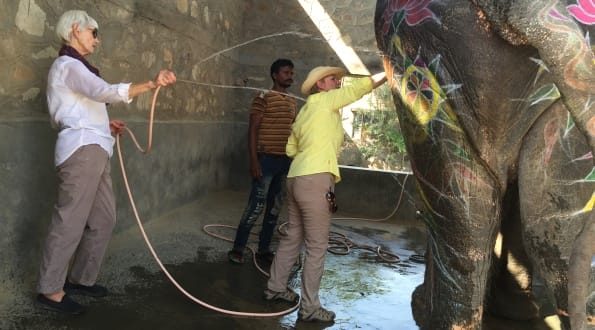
(278, 113)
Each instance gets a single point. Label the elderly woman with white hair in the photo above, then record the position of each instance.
(314, 143)
(85, 213)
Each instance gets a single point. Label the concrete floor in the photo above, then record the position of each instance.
(364, 291)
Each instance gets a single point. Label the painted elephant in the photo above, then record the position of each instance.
(496, 103)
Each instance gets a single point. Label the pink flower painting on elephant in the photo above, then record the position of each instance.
(412, 12)
(583, 11)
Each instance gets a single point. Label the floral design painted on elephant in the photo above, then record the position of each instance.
(495, 100)
(419, 85)
(583, 11)
(412, 12)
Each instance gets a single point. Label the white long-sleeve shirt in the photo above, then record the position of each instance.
(76, 100)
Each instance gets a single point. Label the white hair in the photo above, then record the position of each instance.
(64, 26)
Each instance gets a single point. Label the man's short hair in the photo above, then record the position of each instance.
(278, 64)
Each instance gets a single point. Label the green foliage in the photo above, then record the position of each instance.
(381, 137)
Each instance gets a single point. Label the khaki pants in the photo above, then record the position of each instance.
(309, 222)
(82, 222)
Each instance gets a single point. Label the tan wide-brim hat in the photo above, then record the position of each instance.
(318, 73)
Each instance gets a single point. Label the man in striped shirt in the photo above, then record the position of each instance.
(271, 116)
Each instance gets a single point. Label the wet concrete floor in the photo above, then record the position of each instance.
(365, 291)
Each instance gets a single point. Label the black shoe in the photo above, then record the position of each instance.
(235, 257)
(66, 306)
(95, 290)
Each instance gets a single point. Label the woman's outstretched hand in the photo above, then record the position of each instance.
(164, 78)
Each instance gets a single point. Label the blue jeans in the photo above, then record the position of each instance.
(269, 188)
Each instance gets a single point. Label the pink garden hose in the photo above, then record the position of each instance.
(155, 256)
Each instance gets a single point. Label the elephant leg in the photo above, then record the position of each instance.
(542, 240)
(567, 53)
(462, 218)
(556, 210)
(579, 273)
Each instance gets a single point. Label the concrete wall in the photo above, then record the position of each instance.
(200, 130)
(374, 194)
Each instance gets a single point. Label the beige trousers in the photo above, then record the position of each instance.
(309, 222)
(82, 222)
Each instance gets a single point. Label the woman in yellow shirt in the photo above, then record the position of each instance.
(314, 144)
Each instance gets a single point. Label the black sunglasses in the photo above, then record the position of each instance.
(332, 205)
(95, 32)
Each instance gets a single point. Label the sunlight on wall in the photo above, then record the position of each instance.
(351, 61)
(333, 36)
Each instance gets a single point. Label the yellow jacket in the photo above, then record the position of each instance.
(317, 134)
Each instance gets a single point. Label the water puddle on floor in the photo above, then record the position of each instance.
(363, 290)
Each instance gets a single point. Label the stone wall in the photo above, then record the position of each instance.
(200, 129)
